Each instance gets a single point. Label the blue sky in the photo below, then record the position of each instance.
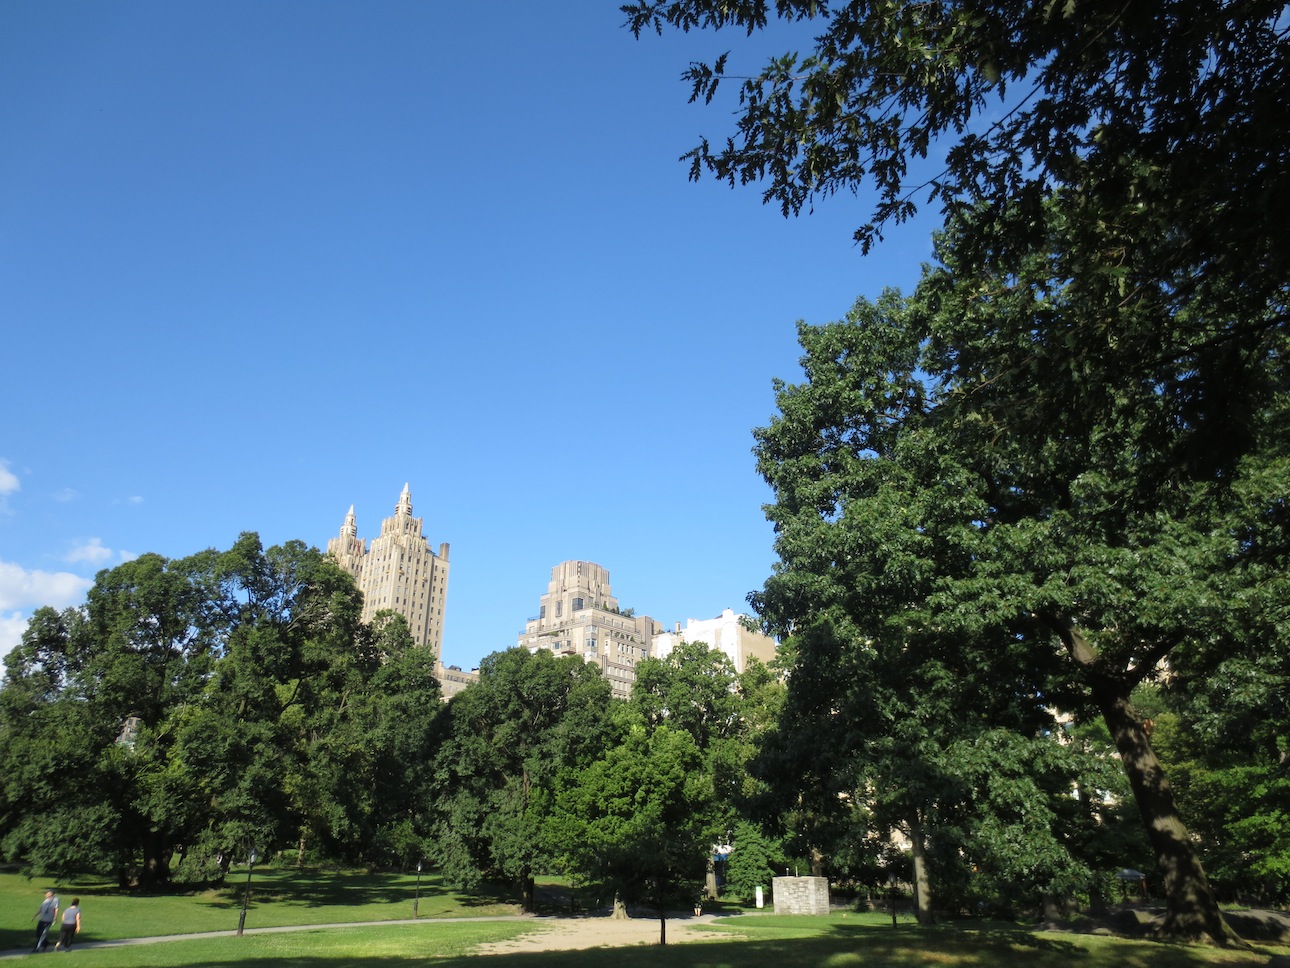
(262, 261)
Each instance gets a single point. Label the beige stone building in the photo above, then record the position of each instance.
(453, 679)
(727, 633)
(579, 615)
(399, 571)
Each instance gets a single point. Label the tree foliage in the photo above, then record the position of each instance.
(1172, 104)
(201, 707)
(503, 741)
(1075, 424)
(926, 507)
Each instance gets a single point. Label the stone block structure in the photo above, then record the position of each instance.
(801, 895)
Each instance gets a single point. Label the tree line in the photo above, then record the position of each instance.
(198, 708)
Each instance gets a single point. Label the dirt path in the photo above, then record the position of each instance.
(571, 934)
(547, 934)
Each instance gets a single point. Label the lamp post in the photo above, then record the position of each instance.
(246, 895)
(892, 896)
(416, 899)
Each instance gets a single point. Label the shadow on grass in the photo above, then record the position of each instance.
(842, 947)
(309, 887)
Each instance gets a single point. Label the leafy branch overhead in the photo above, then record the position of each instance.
(1001, 103)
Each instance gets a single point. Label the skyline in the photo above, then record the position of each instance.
(260, 264)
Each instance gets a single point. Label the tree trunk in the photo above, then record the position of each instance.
(662, 926)
(620, 908)
(156, 860)
(528, 888)
(1192, 911)
(922, 886)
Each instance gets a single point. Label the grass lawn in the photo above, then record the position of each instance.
(278, 897)
(293, 897)
(784, 942)
(366, 947)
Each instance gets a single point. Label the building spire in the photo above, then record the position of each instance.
(404, 506)
(350, 528)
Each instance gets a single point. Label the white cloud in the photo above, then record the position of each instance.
(12, 625)
(22, 591)
(91, 552)
(9, 483)
(20, 588)
(65, 495)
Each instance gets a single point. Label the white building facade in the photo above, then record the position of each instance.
(728, 633)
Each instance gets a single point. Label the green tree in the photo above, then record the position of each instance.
(83, 686)
(206, 706)
(1103, 339)
(640, 818)
(696, 690)
(752, 862)
(502, 742)
(918, 467)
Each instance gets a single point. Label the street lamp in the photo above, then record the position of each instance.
(891, 884)
(416, 900)
(246, 895)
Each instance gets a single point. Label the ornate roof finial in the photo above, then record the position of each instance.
(405, 502)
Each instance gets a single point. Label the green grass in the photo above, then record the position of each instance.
(870, 941)
(278, 897)
(315, 897)
(382, 945)
(833, 942)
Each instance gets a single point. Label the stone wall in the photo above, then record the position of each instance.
(801, 895)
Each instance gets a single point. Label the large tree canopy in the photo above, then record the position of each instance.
(206, 705)
(943, 480)
(503, 742)
(1073, 433)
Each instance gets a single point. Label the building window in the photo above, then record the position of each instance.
(559, 609)
(577, 604)
(542, 612)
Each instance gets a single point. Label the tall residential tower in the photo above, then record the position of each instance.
(398, 572)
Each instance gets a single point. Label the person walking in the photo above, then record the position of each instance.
(44, 918)
(71, 926)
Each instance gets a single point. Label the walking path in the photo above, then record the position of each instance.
(549, 933)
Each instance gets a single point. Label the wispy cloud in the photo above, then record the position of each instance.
(66, 495)
(89, 552)
(9, 482)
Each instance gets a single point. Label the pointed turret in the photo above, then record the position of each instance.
(404, 506)
(350, 528)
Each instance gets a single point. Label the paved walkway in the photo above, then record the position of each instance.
(118, 942)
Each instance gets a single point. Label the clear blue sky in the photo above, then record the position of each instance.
(262, 261)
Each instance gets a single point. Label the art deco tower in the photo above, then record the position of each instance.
(579, 615)
(398, 572)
